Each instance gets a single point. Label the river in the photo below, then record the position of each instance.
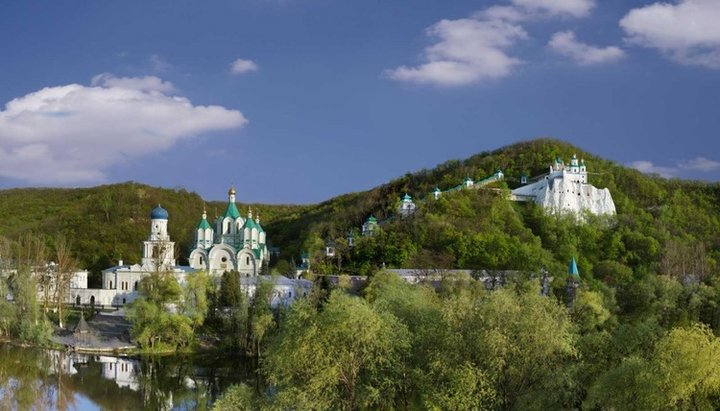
(32, 378)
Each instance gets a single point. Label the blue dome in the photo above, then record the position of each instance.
(159, 213)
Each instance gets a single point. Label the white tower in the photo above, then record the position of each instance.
(158, 250)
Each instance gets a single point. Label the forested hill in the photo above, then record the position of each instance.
(109, 222)
(662, 226)
(667, 226)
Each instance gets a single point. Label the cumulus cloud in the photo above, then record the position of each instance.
(565, 43)
(74, 133)
(467, 51)
(477, 48)
(241, 66)
(687, 32)
(698, 164)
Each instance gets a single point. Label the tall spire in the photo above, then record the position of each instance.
(231, 210)
(572, 269)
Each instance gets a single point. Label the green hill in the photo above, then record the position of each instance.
(668, 226)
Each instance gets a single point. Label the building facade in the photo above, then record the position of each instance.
(236, 243)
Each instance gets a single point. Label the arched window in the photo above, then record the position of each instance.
(247, 260)
(110, 284)
(135, 286)
(77, 300)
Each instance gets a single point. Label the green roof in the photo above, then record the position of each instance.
(572, 269)
(250, 223)
(203, 223)
(407, 197)
(371, 219)
(231, 210)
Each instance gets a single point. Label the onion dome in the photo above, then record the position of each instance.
(159, 213)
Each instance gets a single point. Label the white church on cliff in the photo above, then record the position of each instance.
(565, 189)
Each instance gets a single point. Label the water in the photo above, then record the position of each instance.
(53, 380)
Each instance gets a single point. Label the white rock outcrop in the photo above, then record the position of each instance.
(561, 195)
(565, 190)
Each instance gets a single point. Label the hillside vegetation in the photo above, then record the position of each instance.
(663, 226)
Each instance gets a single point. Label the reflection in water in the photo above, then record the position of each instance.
(48, 380)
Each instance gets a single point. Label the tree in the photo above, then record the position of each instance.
(153, 325)
(681, 373)
(195, 300)
(497, 333)
(63, 273)
(339, 358)
(240, 397)
(261, 316)
(231, 294)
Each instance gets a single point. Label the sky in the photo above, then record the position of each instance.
(296, 101)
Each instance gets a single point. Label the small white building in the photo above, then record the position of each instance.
(407, 206)
(370, 226)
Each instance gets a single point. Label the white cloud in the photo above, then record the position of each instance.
(468, 51)
(74, 133)
(571, 8)
(476, 49)
(147, 83)
(241, 66)
(565, 43)
(698, 164)
(687, 32)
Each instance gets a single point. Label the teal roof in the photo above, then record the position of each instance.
(259, 227)
(572, 269)
(468, 179)
(437, 189)
(231, 210)
(250, 223)
(407, 197)
(203, 223)
(558, 160)
(371, 219)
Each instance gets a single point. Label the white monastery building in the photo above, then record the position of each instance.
(237, 244)
(565, 189)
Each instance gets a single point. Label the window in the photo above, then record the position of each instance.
(247, 260)
(110, 286)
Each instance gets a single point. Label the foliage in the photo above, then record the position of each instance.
(154, 325)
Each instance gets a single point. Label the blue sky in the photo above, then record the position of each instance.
(295, 101)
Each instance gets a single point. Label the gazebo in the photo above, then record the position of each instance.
(82, 329)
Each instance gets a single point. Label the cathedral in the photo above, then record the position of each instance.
(236, 243)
